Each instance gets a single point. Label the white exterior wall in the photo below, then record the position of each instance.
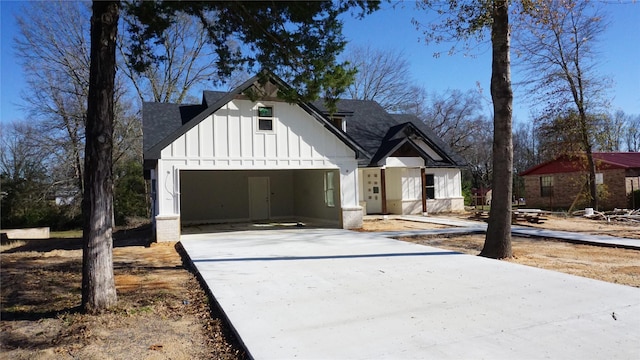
(229, 139)
(404, 190)
(448, 182)
(404, 162)
(448, 191)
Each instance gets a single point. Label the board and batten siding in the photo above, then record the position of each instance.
(229, 139)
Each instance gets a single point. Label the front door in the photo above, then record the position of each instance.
(259, 198)
(372, 190)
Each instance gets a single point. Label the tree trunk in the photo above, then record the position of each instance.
(593, 186)
(498, 240)
(98, 285)
(591, 164)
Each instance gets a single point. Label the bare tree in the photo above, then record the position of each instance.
(383, 76)
(53, 48)
(480, 156)
(525, 154)
(612, 128)
(557, 47)
(23, 174)
(632, 133)
(455, 116)
(183, 59)
(54, 53)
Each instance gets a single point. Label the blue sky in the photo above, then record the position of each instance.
(391, 28)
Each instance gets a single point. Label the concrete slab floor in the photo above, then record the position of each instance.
(336, 294)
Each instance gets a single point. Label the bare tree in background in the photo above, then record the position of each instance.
(53, 48)
(25, 183)
(556, 46)
(383, 76)
(612, 131)
(182, 60)
(632, 132)
(525, 154)
(54, 52)
(480, 156)
(455, 116)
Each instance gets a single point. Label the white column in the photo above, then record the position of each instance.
(349, 202)
(167, 220)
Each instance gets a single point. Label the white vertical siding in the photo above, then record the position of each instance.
(393, 177)
(411, 184)
(448, 183)
(229, 138)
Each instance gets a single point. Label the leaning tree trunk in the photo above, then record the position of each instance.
(593, 186)
(98, 285)
(591, 164)
(498, 240)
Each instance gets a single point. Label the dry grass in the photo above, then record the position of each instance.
(162, 311)
(614, 265)
(621, 266)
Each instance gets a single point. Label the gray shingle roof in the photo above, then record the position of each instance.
(374, 129)
(163, 123)
(371, 130)
(159, 120)
(434, 140)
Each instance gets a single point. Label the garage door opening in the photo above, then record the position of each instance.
(260, 197)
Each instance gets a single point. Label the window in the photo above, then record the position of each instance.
(430, 186)
(339, 122)
(599, 179)
(546, 186)
(329, 189)
(265, 118)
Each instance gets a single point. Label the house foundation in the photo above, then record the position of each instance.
(352, 217)
(167, 228)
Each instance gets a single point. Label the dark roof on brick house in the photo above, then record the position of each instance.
(577, 162)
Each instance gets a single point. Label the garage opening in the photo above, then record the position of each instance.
(260, 196)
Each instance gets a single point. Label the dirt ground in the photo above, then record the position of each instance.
(579, 224)
(614, 265)
(163, 312)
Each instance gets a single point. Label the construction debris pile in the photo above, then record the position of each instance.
(626, 215)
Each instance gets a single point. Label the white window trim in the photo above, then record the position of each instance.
(599, 178)
(435, 193)
(329, 189)
(257, 118)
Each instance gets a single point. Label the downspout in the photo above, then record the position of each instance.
(383, 186)
(423, 178)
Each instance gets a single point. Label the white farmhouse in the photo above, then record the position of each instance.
(235, 158)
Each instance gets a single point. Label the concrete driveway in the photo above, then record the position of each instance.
(337, 294)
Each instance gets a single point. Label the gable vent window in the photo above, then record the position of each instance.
(265, 118)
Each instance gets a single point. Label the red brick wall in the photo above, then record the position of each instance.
(566, 187)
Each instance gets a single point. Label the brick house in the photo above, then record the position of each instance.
(563, 182)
